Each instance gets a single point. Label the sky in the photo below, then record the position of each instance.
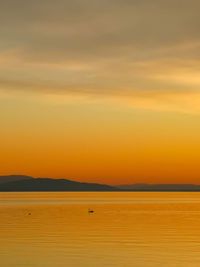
(101, 91)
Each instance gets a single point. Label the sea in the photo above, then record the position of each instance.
(139, 229)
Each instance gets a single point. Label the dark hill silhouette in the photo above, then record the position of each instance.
(48, 184)
(27, 183)
(160, 187)
(11, 178)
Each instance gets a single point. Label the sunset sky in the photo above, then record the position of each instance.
(103, 91)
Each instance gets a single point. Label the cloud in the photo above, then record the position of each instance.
(145, 51)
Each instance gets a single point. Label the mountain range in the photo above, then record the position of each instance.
(160, 187)
(27, 183)
(22, 183)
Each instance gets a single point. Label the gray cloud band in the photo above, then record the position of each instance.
(100, 47)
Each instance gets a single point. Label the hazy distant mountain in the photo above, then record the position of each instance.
(11, 178)
(26, 183)
(160, 187)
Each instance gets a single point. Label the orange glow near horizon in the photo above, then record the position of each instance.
(98, 142)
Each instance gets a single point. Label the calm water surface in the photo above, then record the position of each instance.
(127, 229)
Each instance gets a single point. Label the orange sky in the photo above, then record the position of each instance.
(102, 92)
(98, 142)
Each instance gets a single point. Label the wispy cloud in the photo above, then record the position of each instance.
(143, 52)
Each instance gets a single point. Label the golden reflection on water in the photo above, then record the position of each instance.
(127, 229)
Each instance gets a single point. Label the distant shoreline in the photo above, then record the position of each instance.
(21, 183)
(121, 191)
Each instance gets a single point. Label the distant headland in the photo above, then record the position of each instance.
(22, 183)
